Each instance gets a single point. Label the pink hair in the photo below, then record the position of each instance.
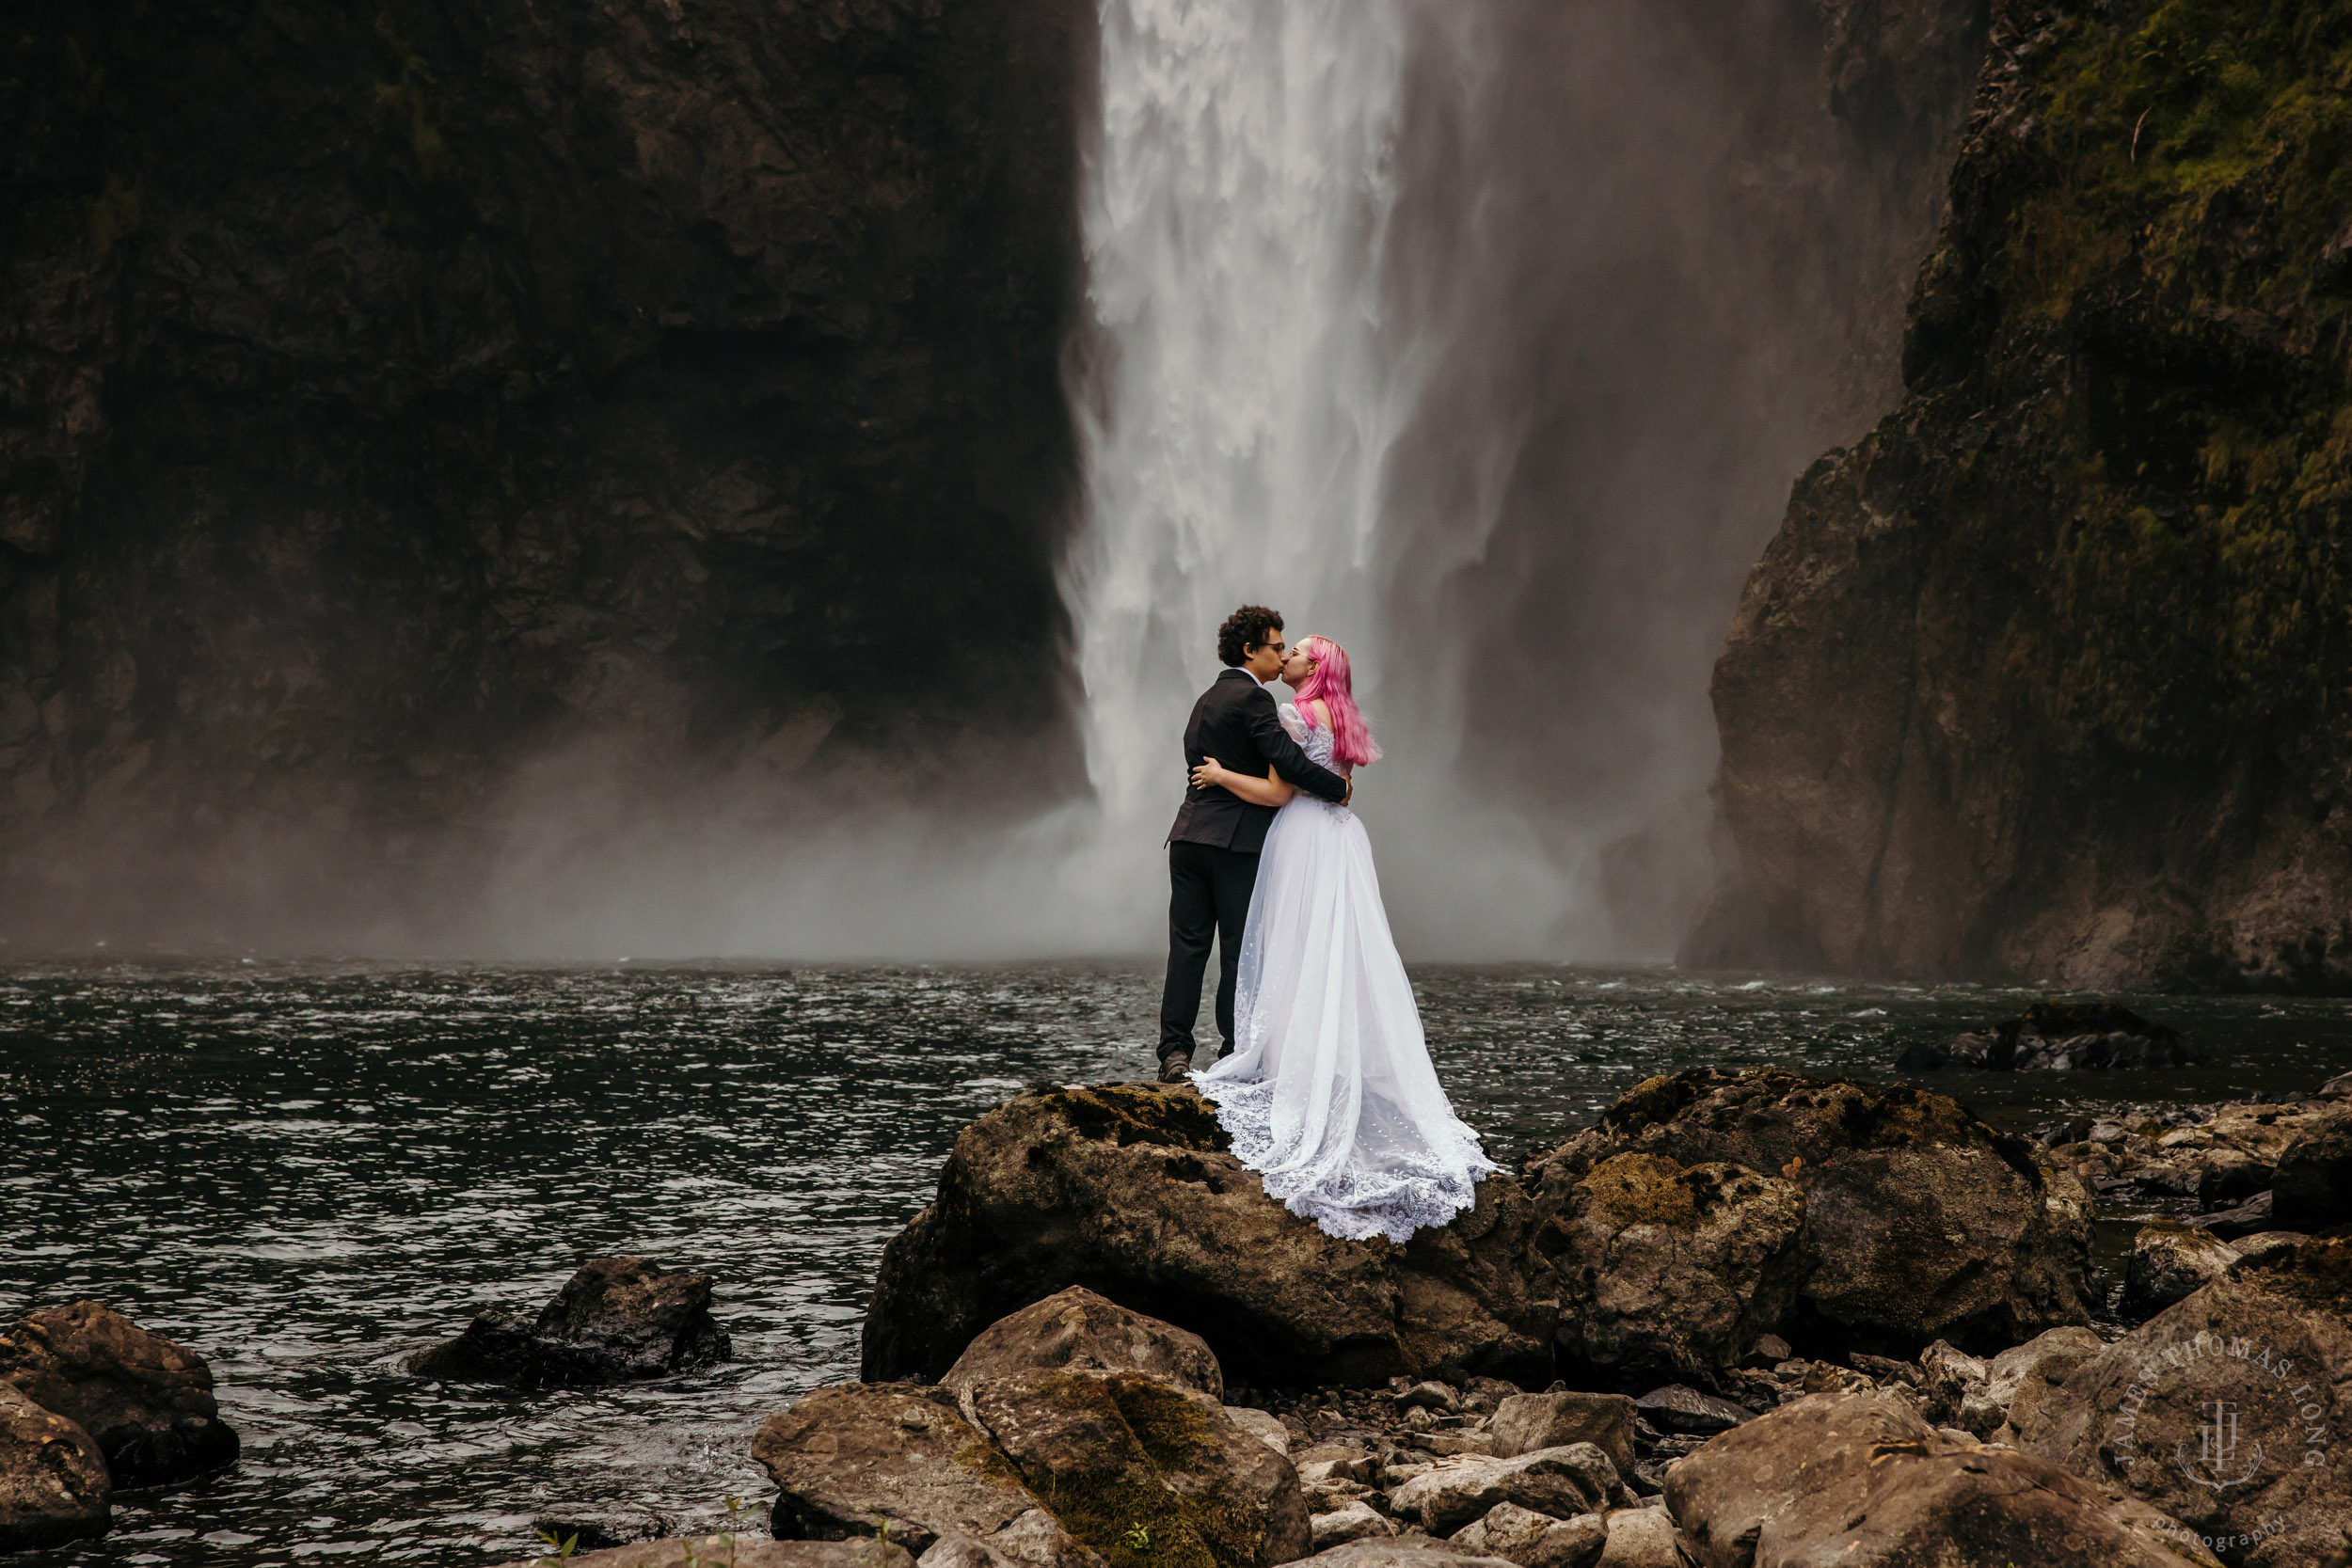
(1351, 737)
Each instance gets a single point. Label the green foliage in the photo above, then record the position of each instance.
(2186, 192)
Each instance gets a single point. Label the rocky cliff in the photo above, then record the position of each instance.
(2045, 678)
(393, 391)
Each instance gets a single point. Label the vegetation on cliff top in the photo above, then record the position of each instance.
(2183, 226)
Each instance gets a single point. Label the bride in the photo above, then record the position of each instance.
(1329, 1094)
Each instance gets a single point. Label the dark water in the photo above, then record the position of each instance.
(307, 1173)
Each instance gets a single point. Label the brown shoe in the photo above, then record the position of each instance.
(1175, 1067)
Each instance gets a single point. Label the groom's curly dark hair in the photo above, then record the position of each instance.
(1244, 629)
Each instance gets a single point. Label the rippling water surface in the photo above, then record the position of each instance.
(310, 1172)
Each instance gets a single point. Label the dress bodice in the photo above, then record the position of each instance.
(1318, 743)
(1314, 739)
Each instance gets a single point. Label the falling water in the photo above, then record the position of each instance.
(1236, 211)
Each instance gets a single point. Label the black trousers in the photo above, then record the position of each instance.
(1208, 895)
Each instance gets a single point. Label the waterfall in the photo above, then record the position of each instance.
(1243, 396)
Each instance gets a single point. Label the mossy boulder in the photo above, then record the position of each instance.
(1919, 1222)
(1086, 1332)
(1859, 1480)
(851, 1458)
(145, 1401)
(2271, 1343)
(1147, 1473)
(1669, 1271)
(1131, 1191)
(54, 1486)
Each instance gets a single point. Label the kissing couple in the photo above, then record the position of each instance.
(1324, 1083)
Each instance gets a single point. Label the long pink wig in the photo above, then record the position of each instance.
(1351, 737)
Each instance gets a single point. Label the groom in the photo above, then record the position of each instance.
(1212, 848)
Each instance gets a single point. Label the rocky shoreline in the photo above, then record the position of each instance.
(1746, 1318)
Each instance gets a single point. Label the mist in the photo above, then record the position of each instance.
(1486, 339)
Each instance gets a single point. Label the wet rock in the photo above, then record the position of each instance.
(1861, 1481)
(2249, 1219)
(846, 1457)
(1431, 1396)
(1666, 1271)
(1525, 1422)
(1536, 1540)
(2338, 1087)
(2262, 1240)
(54, 1486)
(2314, 1187)
(615, 1320)
(1563, 1482)
(2170, 1262)
(145, 1401)
(1920, 1222)
(1354, 1521)
(741, 1551)
(1677, 1407)
(2270, 1344)
(2057, 1036)
(2227, 1178)
(1084, 1332)
(1642, 1538)
(1130, 1188)
(1114, 1452)
(1403, 1551)
(1262, 1426)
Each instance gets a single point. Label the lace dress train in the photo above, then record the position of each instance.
(1329, 1094)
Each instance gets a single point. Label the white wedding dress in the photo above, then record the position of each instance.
(1329, 1095)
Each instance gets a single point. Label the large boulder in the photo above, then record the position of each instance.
(1145, 1471)
(1859, 1480)
(1920, 1221)
(1405, 1551)
(745, 1551)
(2224, 1410)
(1084, 1332)
(1525, 1422)
(1534, 1540)
(1666, 1271)
(615, 1320)
(145, 1401)
(1563, 1481)
(54, 1486)
(2311, 1189)
(1130, 1190)
(2172, 1263)
(848, 1459)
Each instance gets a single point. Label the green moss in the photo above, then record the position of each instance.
(1644, 1188)
(411, 97)
(2188, 183)
(1121, 1504)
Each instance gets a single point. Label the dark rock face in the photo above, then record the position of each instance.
(1860, 1479)
(389, 393)
(1128, 1189)
(2056, 1036)
(1668, 1272)
(616, 1319)
(2311, 1189)
(2038, 680)
(53, 1480)
(146, 1402)
(2272, 1339)
(1920, 1221)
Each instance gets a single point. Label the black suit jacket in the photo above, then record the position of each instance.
(1235, 721)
